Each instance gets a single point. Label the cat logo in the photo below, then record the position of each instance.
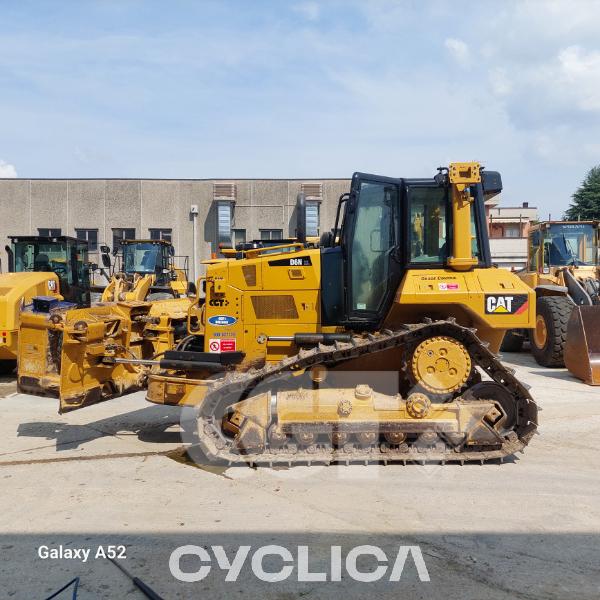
(496, 304)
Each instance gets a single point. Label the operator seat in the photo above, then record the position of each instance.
(41, 263)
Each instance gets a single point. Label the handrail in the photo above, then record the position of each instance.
(269, 249)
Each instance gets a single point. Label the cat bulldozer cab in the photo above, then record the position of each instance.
(371, 347)
(564, 272)
(147, 272)
(54, 268)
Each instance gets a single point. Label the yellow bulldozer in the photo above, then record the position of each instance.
(377, 346)
(564, 272)
(147, 272)
(52, 267)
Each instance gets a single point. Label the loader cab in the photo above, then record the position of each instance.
(561, 243)
(148, 257)
(65, 256)
(389, 226)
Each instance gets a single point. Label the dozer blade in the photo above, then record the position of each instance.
(582, 347)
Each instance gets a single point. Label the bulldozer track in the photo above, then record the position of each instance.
(237, 385)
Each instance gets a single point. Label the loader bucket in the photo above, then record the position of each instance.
(582, 348)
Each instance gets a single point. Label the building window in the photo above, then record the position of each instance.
(238, 236)
(313, 193)
(90, 236)
(312, 218)
(271, 234)
(512, 231)
(161, 234)
(224, 219)
(45, 232)
(120, 234)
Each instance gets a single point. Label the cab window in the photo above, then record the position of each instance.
(371, 243)
(428, 218)
(534, 246)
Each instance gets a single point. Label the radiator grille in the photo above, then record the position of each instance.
(274, 307)
(249, 272)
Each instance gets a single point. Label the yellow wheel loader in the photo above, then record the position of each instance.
(563, 270)
(147, 272)
(377, 346)
(53, 267)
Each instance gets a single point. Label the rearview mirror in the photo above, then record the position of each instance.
(106, 260)
(105, 249)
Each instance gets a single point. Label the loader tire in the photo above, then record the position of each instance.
(512, 342)
(550, 335)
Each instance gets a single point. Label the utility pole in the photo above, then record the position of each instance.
(194, 215)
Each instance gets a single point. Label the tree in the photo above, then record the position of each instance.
(586, 200)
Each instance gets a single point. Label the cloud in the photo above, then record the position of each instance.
(6, 170)
(581, 72)
(309, 10)
(458, 50)
(515, 84)
(500, 82)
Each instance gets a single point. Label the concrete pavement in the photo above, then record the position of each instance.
(112, 474)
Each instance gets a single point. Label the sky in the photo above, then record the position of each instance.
(318, 89)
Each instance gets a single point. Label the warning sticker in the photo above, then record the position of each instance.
(444, 287)
(221, 345)
(228, 345)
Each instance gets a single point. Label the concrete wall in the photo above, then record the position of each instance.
(105, 204)
(509, 253)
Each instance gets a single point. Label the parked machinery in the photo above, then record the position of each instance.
(370, 347)
(563, 270)
(53, 267)
(143, 313)
(147, 272)
(73, 353)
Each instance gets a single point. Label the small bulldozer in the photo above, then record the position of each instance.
(563, 270)
(379, 345)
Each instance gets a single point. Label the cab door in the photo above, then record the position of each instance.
(372, 248)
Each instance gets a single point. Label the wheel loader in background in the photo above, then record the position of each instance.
(147, 272)
(52, 267)
(564, 272)
(371, 347)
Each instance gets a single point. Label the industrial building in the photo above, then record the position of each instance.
(104, 211)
